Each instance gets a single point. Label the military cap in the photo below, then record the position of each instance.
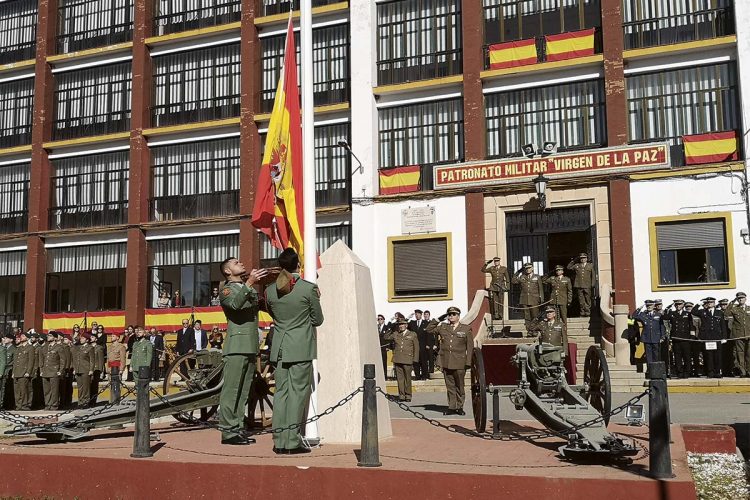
(709, 299)
(658, 301)
(496, 258)
(53, 333)
(724, 301)
(417, 311)
(527, 265)
(402, 321)
(648, 302)
(741, 295)
(559, 268)
(583, 254)
(453, 309)
(689, 304)
(679, 301)
(550, 309)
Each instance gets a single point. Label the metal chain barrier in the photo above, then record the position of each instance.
(523, 308)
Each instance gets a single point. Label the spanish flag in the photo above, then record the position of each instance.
(112, 321)
(400, 180)
(170, 319)
(512, 54)
(711, 148)
(570, 45)
(278, 198)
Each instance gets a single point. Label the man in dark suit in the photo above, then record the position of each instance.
(199, 340)
(382, 330)
(158, 342)
(184, 336)
(713, 331)
(422, 368)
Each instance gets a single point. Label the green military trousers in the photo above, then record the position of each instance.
(51, 387)
(454, 385)
(22, 391)
(293, 388)
(238, 377)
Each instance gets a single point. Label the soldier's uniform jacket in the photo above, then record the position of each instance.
(561, 290)
(240, 305)
(680, 323)
(66, 357)
(554, 332)
(584, 277)
(499, 275)
(99, 354)
(83, 359)
(406, 347)
(3, 362)
(9, 354)
(143, 352)
(117, 351)
(653, 327)
(740, 320)
(713, 326)
(24, 361)
(532, 289)
(50, 362)
(456, 345)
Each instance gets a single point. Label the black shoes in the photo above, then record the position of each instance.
(460, 412)
(295, 451)
(449, 411)
(238, 440)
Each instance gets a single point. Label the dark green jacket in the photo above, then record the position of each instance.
(143, 352)
(8, 354)
(295, 316)
(240, 305)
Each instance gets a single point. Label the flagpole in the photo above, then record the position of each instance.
(308, 181)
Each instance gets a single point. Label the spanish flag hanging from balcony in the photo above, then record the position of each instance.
(711, 148)
(278, 198)
(400, 180)
(570, 45)
(512, 54)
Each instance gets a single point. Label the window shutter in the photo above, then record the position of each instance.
(420, 267)
(686, 235)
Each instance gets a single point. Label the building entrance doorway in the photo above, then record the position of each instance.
(546, 239)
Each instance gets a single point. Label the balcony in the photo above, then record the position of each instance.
(84, 216)
(194, 206)
(191, 112)
(541, 49)
(273, 7)
(698, 25)
(85, 25)
(334, 193)
(420, 67)
(18, 31)
(87, 126)
(14, 222)
(15, 136)
(171, 19)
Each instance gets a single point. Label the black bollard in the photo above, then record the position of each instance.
(369, 454)
(660, 458)
(141, 437)
(495, 411)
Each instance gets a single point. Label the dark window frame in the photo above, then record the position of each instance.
(14, 189)
(71, 13)
(16, 105)
(716, 258)
(14, 24)
(273, 7)
(190, 16)
(441, 270)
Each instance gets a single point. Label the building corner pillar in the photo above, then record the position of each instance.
(475, 279)
(473, 64)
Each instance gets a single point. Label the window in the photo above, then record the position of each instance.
(86, 278)
(572, 114)
(663, 22)
(199, 179)
(330, 65)
(90, 191)
(325, 236)
(197, 86)
(271, 7)
(420, 267)
(418, 39)
(189, 266)
(669, 104)
(18, 31)
(93, 101)
(84, 24)
(14, 198)
(422, 134)
(12, 286)
(16, 112)
(692, 251)
(182, 15)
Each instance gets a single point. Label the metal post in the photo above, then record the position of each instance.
(660, 459)
(115, 394)
(495, 411)
(141, 437)
(369, 454)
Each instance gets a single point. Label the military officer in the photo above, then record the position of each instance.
(739, 317)
(498, 286)
(682, 330)
(50, 369)
(239, 301)
(713, 330)
(143, 351)
(727, 348)
(23, 366)
(583, 281)
(456, 346)
(117, 353)
(7, 353)
(653, 330)
(561, 291)
(532, 293)
(405, 354)
(83, 367)
(99, 352)
(38, 340)
(66, 379)
(553, 331)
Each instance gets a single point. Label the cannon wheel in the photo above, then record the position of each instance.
(177, 379)
(478, 390)
(597, 386)
(260, 394)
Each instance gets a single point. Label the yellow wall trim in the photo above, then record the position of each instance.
(449, 254)
(421, 84)
(679, 47)
(17, 65)
(323, 9)
(90, 52)
(654, 251)
(331, 108)
(201, 32)
(86, 140)
(15, 150)
(544, 66)
(172, 129)
(682, 172)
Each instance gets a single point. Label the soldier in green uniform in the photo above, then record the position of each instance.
(498, 286)
(38, 340)
(98, 351)
(561, 291)
(83, 367)
(553, 331)
(239, 300)
(66, 379)
(583, 282)
(739, 318)
(143, 351)
(294, 305)
(456, 346)
(532, 293)
(7, 353)
(23, 366)
(405, 354)
(50, 369)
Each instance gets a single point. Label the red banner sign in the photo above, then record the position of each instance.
(584, 163)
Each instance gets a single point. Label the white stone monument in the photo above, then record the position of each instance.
(347, 340)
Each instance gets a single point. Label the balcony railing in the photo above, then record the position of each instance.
(84, 24)
(194, 206)
(324, 93)
(171, 19)
(14, 222)
(699, 25)
(15, 136)
(18, 31)
(541, 48)
(211, 109)
(333, 193)
(86, 126)
(420, 67)
(271, 7)
(83, 216)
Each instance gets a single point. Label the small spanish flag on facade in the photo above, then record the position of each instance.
(570, 45)
(512, 54)
(400, 180)
(711, 148)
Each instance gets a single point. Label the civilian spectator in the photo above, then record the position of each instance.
(217, 338)
(215, 299)
(178, 301)
(157, 360)
(164, 300)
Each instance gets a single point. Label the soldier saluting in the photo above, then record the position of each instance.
(456, 345)
(532, 293)
(23, 366)
(553, 331)
(405, 354)
(739, 316)
(498, 286)
(561, 292)
(583, 282)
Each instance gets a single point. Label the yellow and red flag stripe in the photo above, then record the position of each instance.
(63, 322)
(512, 54)
(711, 148)
(169, 319)
(400, 179)
(570, 45)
